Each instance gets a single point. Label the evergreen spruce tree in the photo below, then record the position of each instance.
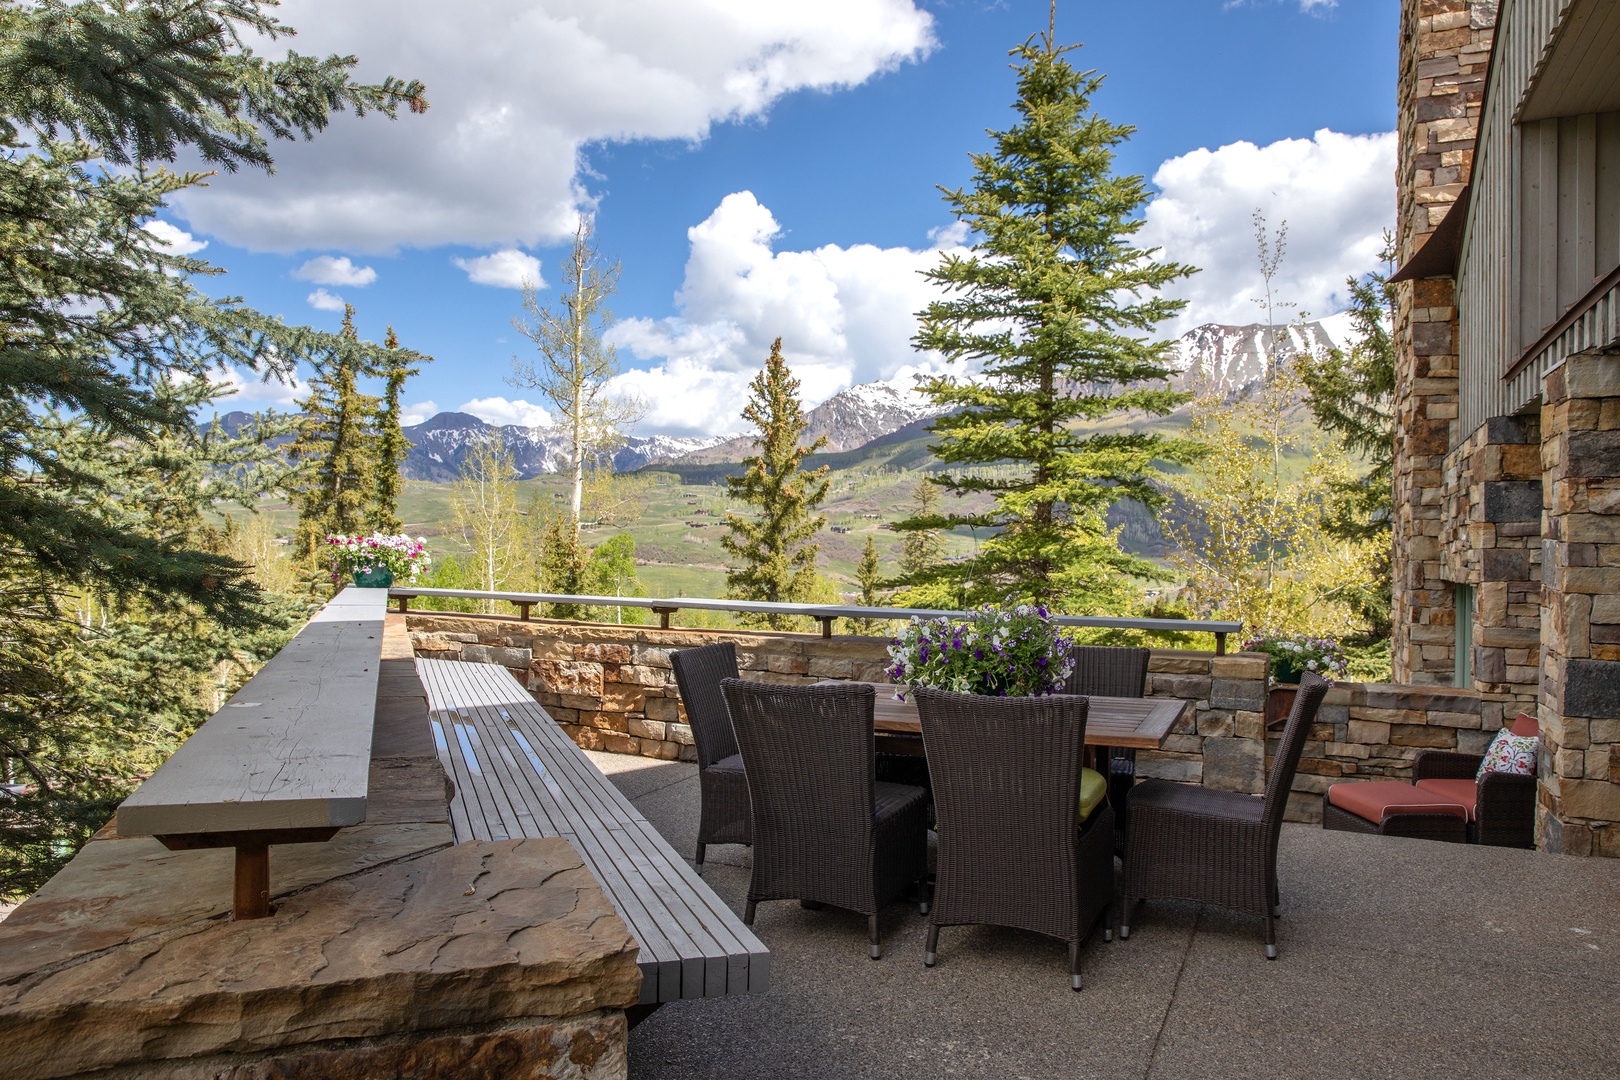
(1056, 307)
(114, 612)
(1352, 396)
(774, 558)
(392, 445)
(336, 452)
(869, 576)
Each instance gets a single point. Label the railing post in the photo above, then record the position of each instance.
(1220, 644)
(523, 610)
(663, 616)
(404, 605)
(826, 625)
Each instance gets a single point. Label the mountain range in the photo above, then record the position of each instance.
(1213, 359)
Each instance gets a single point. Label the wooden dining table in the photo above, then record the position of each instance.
(1132, 723)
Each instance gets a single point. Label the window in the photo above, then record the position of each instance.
(1463, 666)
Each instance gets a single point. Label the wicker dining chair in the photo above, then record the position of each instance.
(1012, 848)
(1217, 847)
(723, 815)
(826, 830)
(1110, 671)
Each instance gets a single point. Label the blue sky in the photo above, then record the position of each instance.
(763, 170)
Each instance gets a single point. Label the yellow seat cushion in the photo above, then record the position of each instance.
(1093, 790)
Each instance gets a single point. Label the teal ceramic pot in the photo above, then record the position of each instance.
(1284, 671)
(381, 578)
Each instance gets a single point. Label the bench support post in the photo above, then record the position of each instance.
(251, 898)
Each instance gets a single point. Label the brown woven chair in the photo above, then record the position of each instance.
(826, 831)
(1217, 847)
(1012, 848)
(1108, 671)
(723, 816)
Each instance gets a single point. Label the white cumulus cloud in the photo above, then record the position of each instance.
(506, 269)
(326, 270)
(518, 91)
(321, 300)
(175, 240)
(249, 391)
(499, 410)
(1335, 192)
(415, 413)
(845, 315)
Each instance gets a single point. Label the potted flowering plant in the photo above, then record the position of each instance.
(376, 560)
(1293, 654)
(995, 651)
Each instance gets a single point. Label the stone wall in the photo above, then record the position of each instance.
(1579, 795)
(1445, 49)
(1491, 540)
(612, 688)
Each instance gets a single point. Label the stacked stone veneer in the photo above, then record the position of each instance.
(1579, 797)
(1491, 539)
(1445, 50)
(612, 688)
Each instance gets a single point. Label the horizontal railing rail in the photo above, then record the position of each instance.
(825, 613)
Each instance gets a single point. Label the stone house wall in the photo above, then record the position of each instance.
(1491, 540)
(612, 688)
(1444, 52)
(1579, 792)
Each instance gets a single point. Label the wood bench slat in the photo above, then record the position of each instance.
(524, 776)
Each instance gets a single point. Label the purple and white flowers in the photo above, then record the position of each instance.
(405, 557)
(1301, 652)
(995, 651)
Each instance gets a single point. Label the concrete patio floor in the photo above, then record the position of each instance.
(1398, 958)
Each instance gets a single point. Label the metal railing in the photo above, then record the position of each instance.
(825, 613)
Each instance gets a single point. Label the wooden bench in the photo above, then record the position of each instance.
(286, 761)
(517, 774)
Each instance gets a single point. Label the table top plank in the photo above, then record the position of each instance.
(1137, 723)
(291, 749)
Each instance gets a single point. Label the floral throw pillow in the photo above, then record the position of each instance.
(1509, 753)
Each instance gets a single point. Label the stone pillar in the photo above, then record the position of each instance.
(1491, 539)
(1444, 53)
(1578, 803)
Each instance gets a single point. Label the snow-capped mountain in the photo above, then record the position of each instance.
(440, 445)
(1216, 359)
(850, 418)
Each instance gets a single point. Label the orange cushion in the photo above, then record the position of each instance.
(1463, 791)
(1375, 800)
(1526, 726)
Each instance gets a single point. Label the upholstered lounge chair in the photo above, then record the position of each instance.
(1444, 803)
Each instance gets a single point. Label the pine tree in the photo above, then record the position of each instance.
(774, 558)
(1352, 396)
(869, 576)
(1056, 307)
(336, 452)
(392, 445)
(921, 550)
(114, 612)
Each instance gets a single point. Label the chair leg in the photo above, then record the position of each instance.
(1074, 965)
(925, 897)
(1271, 937)
(1125, 904)
(871, 927)
(931, 950)
(748, 914)
(701, 849)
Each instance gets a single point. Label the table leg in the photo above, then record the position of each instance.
(251, 899)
